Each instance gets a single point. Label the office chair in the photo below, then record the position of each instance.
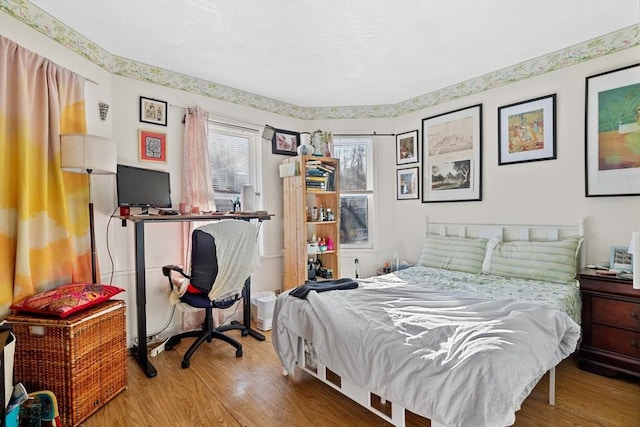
(223, 255)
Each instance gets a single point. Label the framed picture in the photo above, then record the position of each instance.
(407, 184)
(153, 146)
(612, 130)
(527, 131)
(153, 111)
(407, 147)
(620, 259)
(285, 142)
(452, 156)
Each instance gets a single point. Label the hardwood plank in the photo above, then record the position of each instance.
(220, 389)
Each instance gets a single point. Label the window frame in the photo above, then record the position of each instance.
(347, 140)
(255, 156)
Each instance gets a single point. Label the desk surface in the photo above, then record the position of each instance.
(197, 217)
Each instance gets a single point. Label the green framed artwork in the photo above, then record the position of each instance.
(612, 129)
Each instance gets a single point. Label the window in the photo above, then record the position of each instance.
(356, 190)
(233, 156)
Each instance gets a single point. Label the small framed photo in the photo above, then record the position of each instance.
(527, 131)
(407, 148)
(153, 111)
(407, 184)
(620, 259)
(285, 142)
(153, 146)
(613, 133)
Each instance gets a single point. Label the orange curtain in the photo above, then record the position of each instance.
(44, 224)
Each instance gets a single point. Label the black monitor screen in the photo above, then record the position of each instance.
(138, 187)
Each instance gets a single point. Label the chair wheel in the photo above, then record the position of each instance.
(239, 352)
(185, 364)
(245, 332)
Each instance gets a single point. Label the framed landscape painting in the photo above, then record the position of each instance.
(612, 145)
(452, 156)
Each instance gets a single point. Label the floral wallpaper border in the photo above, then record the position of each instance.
(37, 19)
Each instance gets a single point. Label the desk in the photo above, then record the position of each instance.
(139, 222)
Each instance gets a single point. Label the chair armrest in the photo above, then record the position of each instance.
(167, 269)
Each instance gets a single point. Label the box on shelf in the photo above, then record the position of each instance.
(82, 359)
(262, 304)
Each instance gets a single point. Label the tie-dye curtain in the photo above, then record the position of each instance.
(44, 240)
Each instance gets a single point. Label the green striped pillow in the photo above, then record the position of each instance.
(550, 261)
(453, 253)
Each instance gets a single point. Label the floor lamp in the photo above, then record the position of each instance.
(90, 154)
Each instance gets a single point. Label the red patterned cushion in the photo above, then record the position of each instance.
(66, 300)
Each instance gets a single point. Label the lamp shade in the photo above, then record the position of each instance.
(82, 153)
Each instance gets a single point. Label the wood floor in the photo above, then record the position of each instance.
(222, 390)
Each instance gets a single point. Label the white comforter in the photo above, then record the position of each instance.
(457, 360)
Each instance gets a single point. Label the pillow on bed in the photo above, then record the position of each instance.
(550, 261)
(453, 253)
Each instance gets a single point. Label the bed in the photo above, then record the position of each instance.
(461, 338)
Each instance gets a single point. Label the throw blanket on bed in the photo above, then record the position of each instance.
(458, 360)
(330, 285)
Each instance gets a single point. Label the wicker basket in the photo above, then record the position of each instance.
(82, 359)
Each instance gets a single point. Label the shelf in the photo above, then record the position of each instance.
(320, 222)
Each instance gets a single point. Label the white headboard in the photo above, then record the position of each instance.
(511, 232)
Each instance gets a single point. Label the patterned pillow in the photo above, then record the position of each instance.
(66, 300)
(453, 253)
(549, 261)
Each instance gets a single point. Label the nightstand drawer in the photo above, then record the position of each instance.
(616, 340)
(614, 312)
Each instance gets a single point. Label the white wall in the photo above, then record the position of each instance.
(537, 193)
(540, 192)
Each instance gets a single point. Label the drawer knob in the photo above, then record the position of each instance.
(634, 315)
(633, 343)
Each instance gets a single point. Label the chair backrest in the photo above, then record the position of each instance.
(229, 255)
(204, 260)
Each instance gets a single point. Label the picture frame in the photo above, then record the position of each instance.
(620, 259)
(152, 146)
(612, 130)
(285, 142)
(153, 111)
(407, 148)
(407, 184)
(527, 131)
(452, 156)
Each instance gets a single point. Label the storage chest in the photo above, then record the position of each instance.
(82, 359)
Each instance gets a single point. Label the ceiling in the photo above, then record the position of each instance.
(314, 53)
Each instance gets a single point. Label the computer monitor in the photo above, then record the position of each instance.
(144, 188)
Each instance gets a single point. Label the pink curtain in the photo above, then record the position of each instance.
(197, 186)
(44, 225)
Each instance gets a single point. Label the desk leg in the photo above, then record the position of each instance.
(141, 302)
(246, 311)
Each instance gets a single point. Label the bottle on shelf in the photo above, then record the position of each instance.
(314, 213)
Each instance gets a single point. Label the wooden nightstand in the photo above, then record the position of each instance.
(610, 325)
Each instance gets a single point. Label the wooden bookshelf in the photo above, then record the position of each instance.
(315, 186)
